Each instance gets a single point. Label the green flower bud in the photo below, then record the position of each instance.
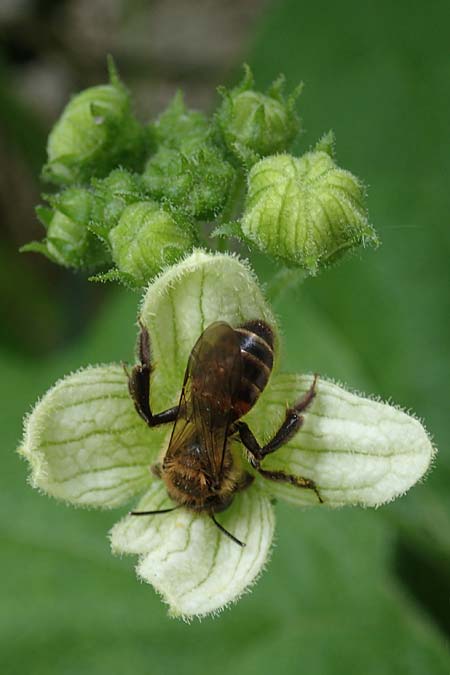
(305, 211)
(95, 133)
(178, 127)
(253, 124)
(198, 183)
(147, 239)
(69, 241)
(111, 197)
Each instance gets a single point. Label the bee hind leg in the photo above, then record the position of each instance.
(256, 453)
(298, 481)
(291, 425)
(139, 384)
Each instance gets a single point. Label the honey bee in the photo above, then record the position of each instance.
(227, 370)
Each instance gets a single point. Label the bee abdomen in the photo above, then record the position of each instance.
(256, 343)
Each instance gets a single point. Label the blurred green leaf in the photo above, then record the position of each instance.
(381, 88)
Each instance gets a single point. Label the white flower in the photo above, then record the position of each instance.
(88, 446)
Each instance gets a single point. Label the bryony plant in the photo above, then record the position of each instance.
(87, 445)
(145, 205)
(137, 197)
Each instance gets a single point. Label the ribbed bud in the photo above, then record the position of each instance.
(146, 239)
(198, 183)
(179, 127)
(111, 196)
(253, 124)
(305, 211)
(96, 132)
(69, 242)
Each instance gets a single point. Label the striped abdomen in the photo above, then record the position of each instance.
(256, 342)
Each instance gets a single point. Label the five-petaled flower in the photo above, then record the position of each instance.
(88, 446)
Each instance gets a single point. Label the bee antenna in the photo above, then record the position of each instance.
(231, 536)
(152, 513)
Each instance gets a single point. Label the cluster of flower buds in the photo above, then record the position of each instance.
(136, 198)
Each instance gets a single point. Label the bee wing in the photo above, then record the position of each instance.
(211, 381)
(184, 430)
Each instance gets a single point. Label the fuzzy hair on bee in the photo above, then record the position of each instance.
(227, 371)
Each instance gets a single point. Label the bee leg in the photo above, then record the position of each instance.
(292, 423)
(256, 453)
(298, 481)
(139, 384)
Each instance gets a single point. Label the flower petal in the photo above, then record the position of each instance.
(196, 568)
(357, 450)
(184, 300)
(85, 442)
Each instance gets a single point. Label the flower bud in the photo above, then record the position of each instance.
(305, 210)
(179, 127)
(146, 239)
(95, 133)
(69, 241)
(111, 196)
(253, 124)
(197, 183)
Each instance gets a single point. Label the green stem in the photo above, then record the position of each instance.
(283, 281)
(233, 207)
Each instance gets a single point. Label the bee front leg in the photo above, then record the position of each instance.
(139, 384)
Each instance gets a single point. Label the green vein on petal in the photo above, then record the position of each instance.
(184, 300)
(357, 450)
(85, 442)
(194, 566)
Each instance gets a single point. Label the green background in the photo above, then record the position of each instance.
(351, 591)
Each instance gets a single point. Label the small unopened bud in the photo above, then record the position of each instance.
(253, 124)
(146, 239)
(111, 196)
(305, 210)
(96, 132)
(181, 128)
(69, 242)
(198, 183)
